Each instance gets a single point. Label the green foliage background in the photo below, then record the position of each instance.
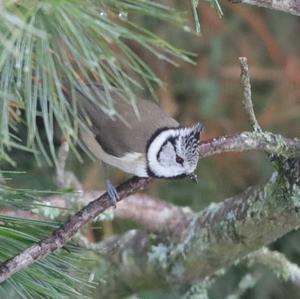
(148, 48)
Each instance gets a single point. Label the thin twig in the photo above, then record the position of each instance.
(247, 101)
(68, 229)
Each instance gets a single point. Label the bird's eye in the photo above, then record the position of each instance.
(179, 160)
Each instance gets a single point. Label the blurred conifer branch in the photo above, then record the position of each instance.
(20, 228)
(45, 43)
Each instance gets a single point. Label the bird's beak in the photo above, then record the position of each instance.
(193, 177)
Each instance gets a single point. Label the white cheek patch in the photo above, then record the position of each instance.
(167, 155)
(167, 167)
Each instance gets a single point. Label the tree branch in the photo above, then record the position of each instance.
(288, 6)
(239, 225)
(214, 238)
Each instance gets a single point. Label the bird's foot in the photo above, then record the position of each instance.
(112, 193)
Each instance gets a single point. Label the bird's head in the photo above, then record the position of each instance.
(174, 152)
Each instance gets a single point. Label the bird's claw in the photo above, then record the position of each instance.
(112, 193)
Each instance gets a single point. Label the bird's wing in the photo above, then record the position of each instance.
(116, 137)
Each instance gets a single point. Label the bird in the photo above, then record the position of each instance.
(146, 143)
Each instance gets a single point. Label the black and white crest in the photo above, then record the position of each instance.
(190, 144)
